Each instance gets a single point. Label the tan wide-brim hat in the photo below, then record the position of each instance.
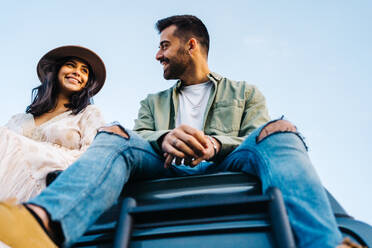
(94, 61)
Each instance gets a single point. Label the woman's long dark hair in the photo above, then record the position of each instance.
(44, 97)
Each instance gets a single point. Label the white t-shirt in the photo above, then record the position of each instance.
(193, 101)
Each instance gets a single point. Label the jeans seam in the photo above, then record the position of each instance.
(280, 132)
(112, 133)
(84, 194)
(117, 152)
(155, 155)
(260, 157)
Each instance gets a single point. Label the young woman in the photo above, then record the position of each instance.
(57, 127)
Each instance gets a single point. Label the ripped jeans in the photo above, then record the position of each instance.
(94, 182)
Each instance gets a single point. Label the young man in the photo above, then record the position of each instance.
(205, 123)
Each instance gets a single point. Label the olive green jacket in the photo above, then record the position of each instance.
(233, 111)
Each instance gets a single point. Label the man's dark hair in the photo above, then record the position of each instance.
(44, 97)
(187, 26)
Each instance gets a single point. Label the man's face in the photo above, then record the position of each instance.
(172, 54)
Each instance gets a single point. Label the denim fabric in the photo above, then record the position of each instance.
(281, 160)
(93, 183)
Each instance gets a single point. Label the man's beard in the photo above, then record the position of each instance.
(176, 65)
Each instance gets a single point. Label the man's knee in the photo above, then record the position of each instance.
(116, 129)
(278, 126)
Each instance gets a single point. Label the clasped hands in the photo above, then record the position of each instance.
(188, 145)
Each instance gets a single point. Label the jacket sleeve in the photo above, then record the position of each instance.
(144, 125)
(254, 115)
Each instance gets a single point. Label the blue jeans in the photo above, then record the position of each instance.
(94, 182)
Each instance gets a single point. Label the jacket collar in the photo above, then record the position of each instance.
(213, 77)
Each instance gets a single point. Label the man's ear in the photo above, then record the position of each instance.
(192, 45)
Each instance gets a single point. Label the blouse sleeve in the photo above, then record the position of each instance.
(90, 122)
(15, 123)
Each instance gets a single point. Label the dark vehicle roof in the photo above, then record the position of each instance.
(185, 191)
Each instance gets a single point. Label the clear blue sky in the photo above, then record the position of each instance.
(312, 61)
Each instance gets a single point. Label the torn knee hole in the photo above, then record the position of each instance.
(116, 130)
(277, 126)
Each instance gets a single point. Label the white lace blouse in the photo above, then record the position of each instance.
(29, 152)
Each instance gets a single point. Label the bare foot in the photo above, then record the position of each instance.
(347, 243)
(42, 215)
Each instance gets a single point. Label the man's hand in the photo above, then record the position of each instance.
(188, 144)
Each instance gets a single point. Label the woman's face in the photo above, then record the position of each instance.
(73, 76)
